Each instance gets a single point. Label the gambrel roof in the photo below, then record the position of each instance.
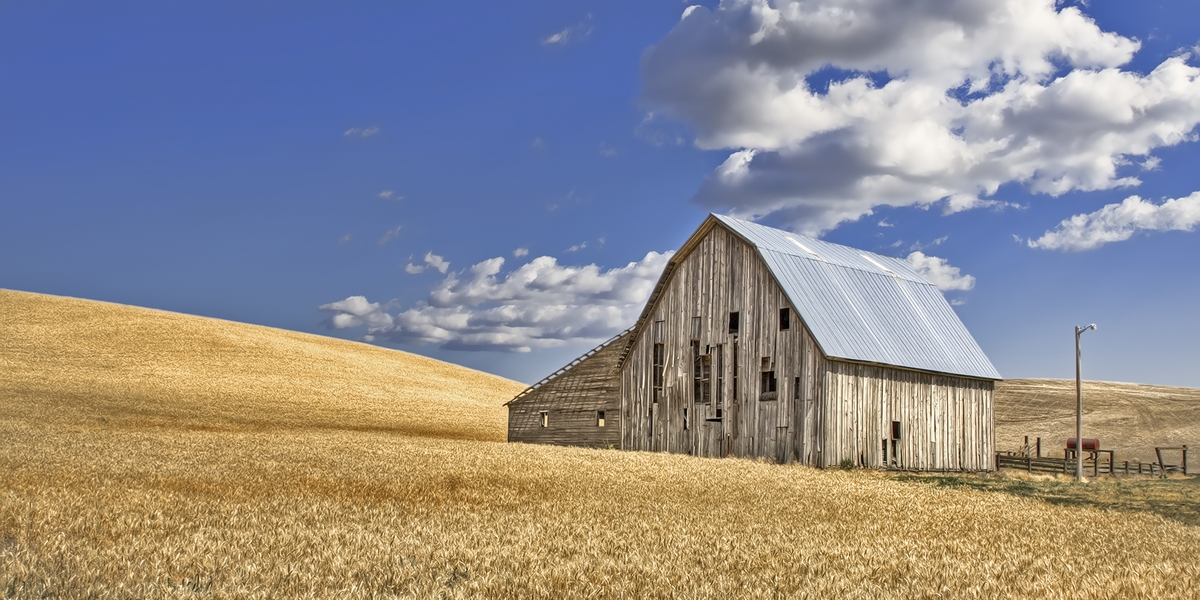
(860, 306)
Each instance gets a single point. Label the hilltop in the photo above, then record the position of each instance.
(1129, 418)
(75, 361)
(150, 454)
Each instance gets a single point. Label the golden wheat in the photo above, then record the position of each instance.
(325, 490)
(70, 361)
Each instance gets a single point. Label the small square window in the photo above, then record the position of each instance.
(785, 318)
(545, 419)
(895, 430)
(734, 322)
(599, 418)
(769, 383)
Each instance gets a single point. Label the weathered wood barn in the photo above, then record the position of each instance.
(763, 343)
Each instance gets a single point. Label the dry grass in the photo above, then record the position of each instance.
(131, 495)
(1130, 419)
(79, 361)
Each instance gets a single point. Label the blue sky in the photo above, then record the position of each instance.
(258, 161)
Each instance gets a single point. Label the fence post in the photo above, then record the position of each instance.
(1039, 447)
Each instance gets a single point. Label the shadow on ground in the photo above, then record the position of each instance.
(1176, 498)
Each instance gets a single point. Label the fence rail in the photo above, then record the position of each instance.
(1045, 464)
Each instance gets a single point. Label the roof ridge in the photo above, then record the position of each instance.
(920, 280)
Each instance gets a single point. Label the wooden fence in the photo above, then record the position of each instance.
(1045, 464)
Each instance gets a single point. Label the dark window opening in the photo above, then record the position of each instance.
(659, 357)
(734, 323)
(768, 385)
(545, 418)
(785, 318)
(796, 389)
(735, 372)
(685, 419)
(895, 430)
(650, 421)
(599, 418)
(701, 375)
(720, 391)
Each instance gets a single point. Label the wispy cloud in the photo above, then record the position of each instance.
(606, 150)
(570, 34)
(577, 247)
(345, 238)
(1119, 222)
(540, 304)
(390, 235)
(432, 261)
(940, 273)
(362, 132)
(520, 252)
(917, 245)
(390, 195)
(884, 223)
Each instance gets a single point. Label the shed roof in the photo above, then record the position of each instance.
(863, 306)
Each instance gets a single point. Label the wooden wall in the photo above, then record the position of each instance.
(824, 411)
(723, 274)
(946, 423)
(572, 401)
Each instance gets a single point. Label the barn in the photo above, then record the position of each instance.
(757, 342)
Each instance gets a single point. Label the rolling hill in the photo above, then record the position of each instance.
(1128, 418)
(67, 360)
(151, 454)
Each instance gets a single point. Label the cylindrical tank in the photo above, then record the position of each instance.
(1088, 444)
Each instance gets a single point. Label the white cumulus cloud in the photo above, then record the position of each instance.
(356, 311)
(830, 108)
(540, 304)
(1118, 222)
(940, 273)
(520, 252)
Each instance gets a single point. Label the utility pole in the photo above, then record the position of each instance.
(1079, 405)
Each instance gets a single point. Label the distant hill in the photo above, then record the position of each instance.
(1129, 418)
(78, 361)
(70, 360)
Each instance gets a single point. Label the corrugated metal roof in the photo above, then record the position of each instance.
(867, 307)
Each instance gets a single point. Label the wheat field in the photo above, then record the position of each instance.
(153, 455)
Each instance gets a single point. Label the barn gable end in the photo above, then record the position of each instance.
(577, 406)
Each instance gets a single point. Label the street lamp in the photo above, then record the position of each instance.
(1079, 406)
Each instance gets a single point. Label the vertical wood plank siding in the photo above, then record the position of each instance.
(841, 411)
(946, 422)
(571, 402)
